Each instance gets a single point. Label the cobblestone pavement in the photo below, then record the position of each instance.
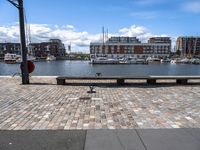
(45, 105)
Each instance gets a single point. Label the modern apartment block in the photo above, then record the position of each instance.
(53, 47)
(117, 47)
(188, 46)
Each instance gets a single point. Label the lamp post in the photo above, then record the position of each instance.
(24, 65)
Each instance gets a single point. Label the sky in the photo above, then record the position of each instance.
(80, 22)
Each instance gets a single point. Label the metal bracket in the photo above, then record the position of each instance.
(92, 87)
(14, 3)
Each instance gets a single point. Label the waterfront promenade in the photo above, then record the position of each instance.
(45, 105)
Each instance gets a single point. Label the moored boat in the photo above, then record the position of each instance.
(104, 60)
(50, 58)
(153, 59)
(10, 58)
(195, 61)
(166, 60)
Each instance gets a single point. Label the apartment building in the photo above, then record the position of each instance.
(13, 48)
(116, 47)
(53, 47)
(40, 50)
(188, 46)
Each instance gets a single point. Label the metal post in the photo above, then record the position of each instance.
(25, 75)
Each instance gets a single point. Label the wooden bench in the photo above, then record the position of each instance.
(179, 79)
(121, 79)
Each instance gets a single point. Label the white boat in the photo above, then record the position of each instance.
(50, 58)
(167, 60)
(104, 60)
(141, 61)
(195, 61)
(134, 60)
(185, 61)
(10, 58)
(123, 60)
(176, 61)
(153, 59)
(29, 57)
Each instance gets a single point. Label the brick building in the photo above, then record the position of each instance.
(116, 47)
(40, 50)
(13, 48)
(188, 46)
(53, 47)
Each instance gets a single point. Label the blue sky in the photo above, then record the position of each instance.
(81, 21)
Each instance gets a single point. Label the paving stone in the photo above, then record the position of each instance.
(45, 105)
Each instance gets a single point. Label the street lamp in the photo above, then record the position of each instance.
(24, 65)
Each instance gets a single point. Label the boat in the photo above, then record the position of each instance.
(185, 61)
(132, 60)
(195, 61)
(50, 58)
(104, 60)
(123, 60)
(141, 61)
(153, 59)
(176, 61)
(29, 57)
(166, 60)
(18, 58)
(112, 61)
(10, 58)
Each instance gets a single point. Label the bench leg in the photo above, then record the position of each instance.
(151, 81)
(181, 81)
(120, 81)
(60, 82)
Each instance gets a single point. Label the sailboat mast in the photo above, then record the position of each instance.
(103, 41)
(103, 35)
(195, 46)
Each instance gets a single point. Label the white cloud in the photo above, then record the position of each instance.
(193, 6)
(43, 32)
(133, 31)
(80, 40)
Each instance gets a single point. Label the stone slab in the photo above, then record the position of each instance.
(195, 132)
(168, 139)
(113, 140)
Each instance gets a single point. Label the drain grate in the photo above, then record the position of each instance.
(85, 98)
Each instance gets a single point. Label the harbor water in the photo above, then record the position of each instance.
(83, 68)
